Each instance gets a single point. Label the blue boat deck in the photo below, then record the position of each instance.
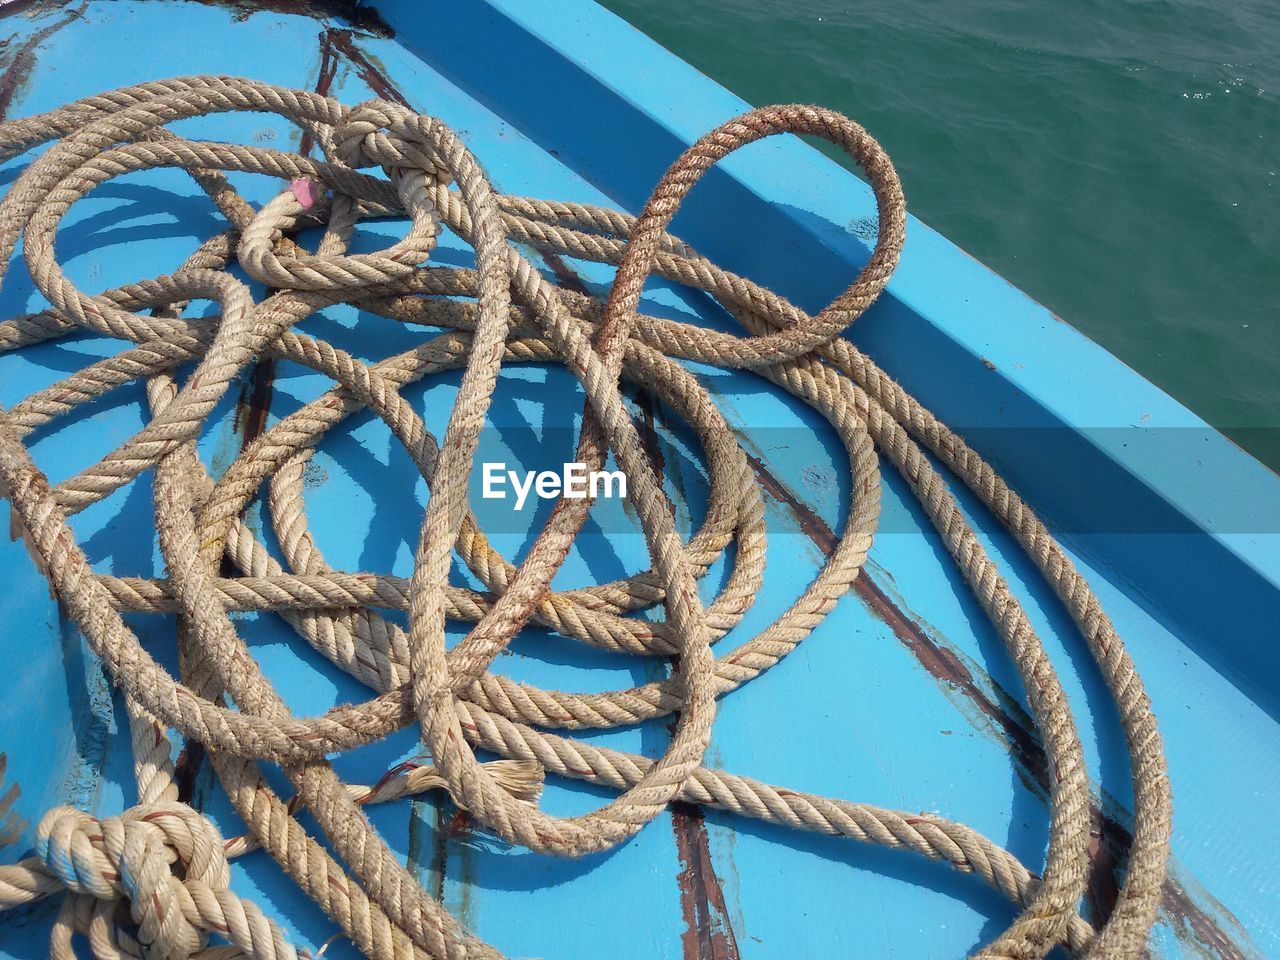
(903, 696)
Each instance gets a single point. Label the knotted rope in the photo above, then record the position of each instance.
(163, 858)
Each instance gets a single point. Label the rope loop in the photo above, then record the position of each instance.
(649, 229)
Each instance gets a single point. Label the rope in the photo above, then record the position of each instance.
(164, 859)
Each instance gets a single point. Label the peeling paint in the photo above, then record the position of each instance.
(93, 719)
(28, 8)
(420, 834)
(457, 833)
(432, 843)
(439, 865)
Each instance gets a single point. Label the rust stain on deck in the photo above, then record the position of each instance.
(811, 525)
(708, 934)
(11, 825)
(647, 427)
(366, 69)
(255, 401)
(324, 81)
(564, 273)
(363, 18)
(1200, 929)
(18, 70)
(946, 667)
(1197, 919)
(187, 768)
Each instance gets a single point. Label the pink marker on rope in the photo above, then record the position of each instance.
(307, 192)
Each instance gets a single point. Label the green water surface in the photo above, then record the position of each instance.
(1119, 160)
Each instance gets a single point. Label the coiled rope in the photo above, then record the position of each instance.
(164, 860)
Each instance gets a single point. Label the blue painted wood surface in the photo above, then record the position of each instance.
(572, 103)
